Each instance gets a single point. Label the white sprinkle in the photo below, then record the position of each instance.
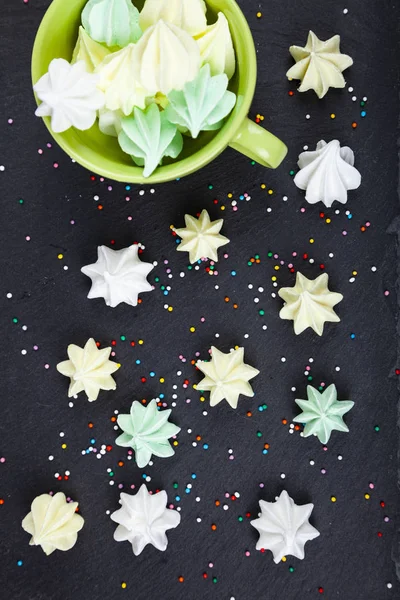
(51, 457)
(9, 295)
(373, 269)
(283, 475)
(345, 11)
(23, 352)
(308, 116)
(283, 359)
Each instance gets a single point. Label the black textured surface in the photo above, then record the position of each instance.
(349, 560)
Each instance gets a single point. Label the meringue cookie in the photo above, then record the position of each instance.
(143, 519)
(89, 370)
(323, 413)
(319, 65)
(117, 81)
(166, 58)
(92, 53)
(327, 173)
(216, 47)
(201, 237)
(114, 22)
(189, 15)
(147, 430)
(118, 275)
(69, 96)
(309, 303)
(284, 527)
(148, 136)
(53, 523)
(110, 122)
(226, 376)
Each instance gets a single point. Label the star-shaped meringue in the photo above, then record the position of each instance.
(319, 65)
(69, 96)
(53, 523)
(226, 376)
(309, 303)
(201, 237)
(284, 527)
(89, 370)
(143, 519)
(323, 413)
(118, 275)
(147, 430)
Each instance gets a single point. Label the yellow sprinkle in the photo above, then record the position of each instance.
(333, 498)
(328, 220)
(367, 496)
(276, 267)
(311, 240)
(171, 227)
(175, 442)
(162, 379)
(123, 585)
(333, 116)
(236, 347)
(141, 342)
(202, 399)
(230, 195)
(259, 15)
(64, 446)
(60, 256)
(263, 186)
(222, 207)
(261, 118)
(284, 559)
(170, 309)
(273, 278)
(195, 386)
(270, 192)
(354, 272)
(119, 365)
(192, 329)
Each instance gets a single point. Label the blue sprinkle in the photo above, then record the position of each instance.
(205, 446)
(20, 563)
(177, 498)
(194, 475)
(144, 475)
(87, 451)
(187, 490)
(165, 292)
(265, 451)
(137, 361)
(151, 373)
(260, 408)
(177, 240)
(352, 335)
(92, 441)
(241, 197)
(363, 113)
(161, 396)
(127, 187)
(350, 216)
(233, 273)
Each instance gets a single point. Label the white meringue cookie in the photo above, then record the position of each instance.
(118, 275)
(284, 527)
(144, 519)
(69, 96)
(327, 173)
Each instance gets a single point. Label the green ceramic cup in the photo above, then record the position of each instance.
(101, 154)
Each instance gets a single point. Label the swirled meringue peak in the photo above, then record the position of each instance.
(69, 96)
(189, 15)
(117, 81)
(114, 22)
(91, 52)
(53, 523)
(319, 65)
(327, 173)
(216, 47)
(166, 58)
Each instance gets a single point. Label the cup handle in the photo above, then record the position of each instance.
(259, 144)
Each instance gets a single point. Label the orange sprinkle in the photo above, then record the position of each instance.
(266, 446)
(354, 125)
(99, 207)
(198, 437)
(217, 503)
(90, 425)
(248, 414)
(181, 579)
(113, 419)
(235, 306)
(363, 228)
(121, 463)
(284, 421)
(1, 501)
(213, 527)
(226, 298)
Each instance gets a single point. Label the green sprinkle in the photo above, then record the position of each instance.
(123, 338)
(156, 279)
(261, 312)
(240, 519)
(20, 201)
(175, 485)
(210, 187)
(15, 320)
(250, 263)
(291, 569)
(309, 378)
(269, 254)
(215, 580)
(291, 172)
(259, 434)
(377, 428)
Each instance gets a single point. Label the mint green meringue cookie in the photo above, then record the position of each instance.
(147, 430)
(202, 104)
(113, 22)
(322, 413)
(92, 53)
(148, 136)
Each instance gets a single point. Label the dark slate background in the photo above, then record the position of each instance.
(349, 560)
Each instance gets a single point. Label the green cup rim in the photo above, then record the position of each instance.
(133, 174)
